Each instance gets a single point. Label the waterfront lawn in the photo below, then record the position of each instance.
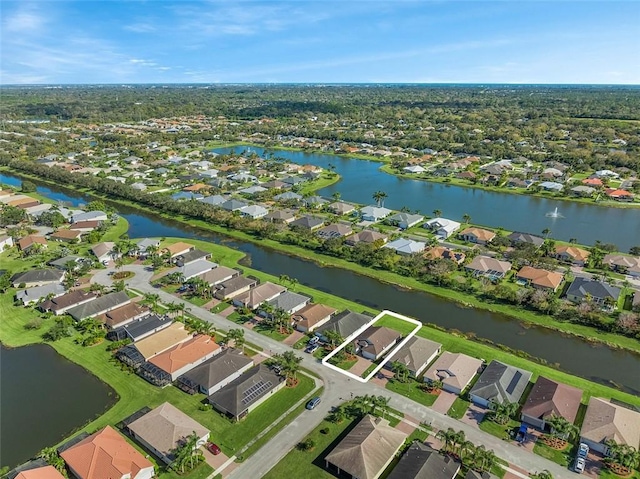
(458, 408)
(391, 322)
(412, 390)
(115, 232)
(501, 431)
(563, 457)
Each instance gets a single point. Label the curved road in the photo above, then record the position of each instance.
(337, 389)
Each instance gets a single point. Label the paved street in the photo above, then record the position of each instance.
(337, 388)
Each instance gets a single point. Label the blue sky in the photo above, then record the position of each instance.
(332, 41)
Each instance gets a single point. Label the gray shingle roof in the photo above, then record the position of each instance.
(38, 275)
(218, 368)
(500, 382)
(422, 462)
(289, 301)
(582, 287)
(99, 305)
(346, 323)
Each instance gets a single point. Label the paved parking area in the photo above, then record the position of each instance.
(444, 402)
(474, 415)
(361, 366)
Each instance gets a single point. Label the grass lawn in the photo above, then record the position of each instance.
(218, 308)
(115, 232)
(563, 457)
(325, 179)
(458, 408)
(498, 430)
(403, 327)
(412, 391)
(607, 474)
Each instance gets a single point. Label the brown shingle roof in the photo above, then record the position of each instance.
(605, 420)
(551, 398)
(312, 313)
(66, 234)
(66, 300)
(256, 296)
(378, 338)
(27, 241)
(186, 353)
(455, 369)
(576, 253)
(178, 248)
(105, 455)
(119, 315)
(481, 234)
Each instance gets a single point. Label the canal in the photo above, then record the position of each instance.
(361, 178)
(44, 398)
(597, 363)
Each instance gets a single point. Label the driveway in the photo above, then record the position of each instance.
(474, 415)
(444, 402)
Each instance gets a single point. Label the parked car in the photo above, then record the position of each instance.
(583, 450)
(314, 340)
(313, 403)
(213, 448)
(312, 349)
(579, 466)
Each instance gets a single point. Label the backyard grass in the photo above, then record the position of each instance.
(403, 327)
(412, 391)
(607, 474)
(458, 408)
(115, 232)
(563, 457)
(498, 430)
(325, 179)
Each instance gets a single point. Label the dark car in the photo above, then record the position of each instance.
(213, 448)
(313, 403)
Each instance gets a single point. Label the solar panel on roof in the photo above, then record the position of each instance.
(255, 391)
(514, 382)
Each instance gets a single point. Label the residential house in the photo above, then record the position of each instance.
(471, 474)
(309, 223)
(233, 205)
(550, 398)
(288, 301)
(606, 174)
(288, 196)
(245, 393)
(104, 251)
(540, 278)
(164, 429)
(375, 341)
(374, 213)
(145, 326)
(341, 208)
(606, 420)
(27, 242)
(214, 200)
(367, 450)
(334, 230)
(6, 242)
(414, 169)
(215, 373)
(191, 256)
(593, 182)
(107, 455)
(499, 383)
(186, 196)
(233, 287)
(37, 293)
(416, 355)
(619, 194)
(254, 211)
(572, 254)
(184, 356)
(281, 216)
(525, 238)
(86, 226)
(89, 216)
(442, 227)
(196, 268)
(405, 220)
(254, 297)
(454, 370)
(366, 236)
(312, 316)
(444, 253)
(489, 267)
(162, 340)
(601, 293)
(43, 472)
(67, 236)
(551, 186)
(624, 264)
(477, 235)
(59, 305)
(99, 305)
(345, 324)
(583, 191)
(422, 462)
(406, 246)
(145, 243)
(37, 277)
(178, 249)
(123, 315)
(315, 201)
(219, 275)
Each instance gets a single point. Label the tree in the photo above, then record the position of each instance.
(466, 218)
(546, 232)
(187, 453)
(333, 339)
(437, 213)
(501, 412)
(151, 299)
(28, 187)
(237, 336)
(336, 196)
(635, 250)
(400, 371)
(51, 456)
(561, 428)
(381, 403)
(447, 437)
(541, 475)
(379, 197)
(290, 365)
(338, 414)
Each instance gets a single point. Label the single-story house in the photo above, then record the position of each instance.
(406, 246)
(309, 223)
(123, 315)
(416, 355)
(334, 230)
(288, 196)
(606, 420)
(184, 356)
(26, 242)
(196, 268)
(145, 243)
(454, 370)
(315, 201)
(86, 226)
(254, 297)
(99, 305)
(312, 316)
(375, 341)
(488, 266)
(442, 252)
(551, 186)
(281, 216)
(6, 241)
(619, 194)
(345, 324)
(623, 263)
(254, 211)
(252, 190)
(367, 450)
(37, 293)
(37, 277)
(422, 462)
(145, 326)
(582, 190)
(374, 213)
(245, 393)
(104, 251)
(550, 398)
(599, 292)
(162, 340)
(214, 200)
(540, 278)
(414, 169)
(219, 275)
(477, 235)
(233, 287)
(62, 263)
(289, 301)
(67, 236)
(107, 455)
(366, 236)
(190, 257)
(89, 216)
(572, 254)
(404, 220)
(499, 383)
(341, 208)
(164, 428)
(516, 237)
(178, 249)
(215, 373)
(61, 304)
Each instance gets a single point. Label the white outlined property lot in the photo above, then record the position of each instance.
(357, 333)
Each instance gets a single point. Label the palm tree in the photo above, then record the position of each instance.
(338, 414)
(382, 403)
(561, 428)
(290, 366)
(152, 299)
(573, 240)
(502, 412)
(541, 475)
(447, 437)
(458, 440)
(336, 196)
(546, 232)
(186, 452)
(51, 456)
(379, 197)
(466, 218)
(437, 213)
(236, 335)
(400, 371)
(333, 339)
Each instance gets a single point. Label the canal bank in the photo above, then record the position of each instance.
(595, 362)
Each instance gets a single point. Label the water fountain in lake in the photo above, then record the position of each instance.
(554, 214)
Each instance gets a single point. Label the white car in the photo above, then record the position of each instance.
(579, 466)
(583, 450)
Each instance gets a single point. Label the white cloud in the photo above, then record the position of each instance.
(24, 22)
(140, 27)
